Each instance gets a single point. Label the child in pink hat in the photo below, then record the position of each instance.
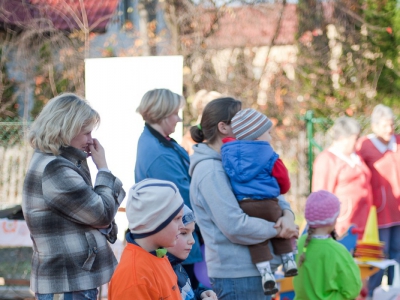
(326, 270)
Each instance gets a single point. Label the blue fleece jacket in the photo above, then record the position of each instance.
(249, 166)
(164, 159)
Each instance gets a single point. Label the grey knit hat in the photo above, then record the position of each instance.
(249, 124)
(151, 206)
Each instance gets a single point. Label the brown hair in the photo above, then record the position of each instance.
(307, 241)
(218, 110)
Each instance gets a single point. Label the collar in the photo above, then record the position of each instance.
(321, 236)
(162, 139)
(382, 148)
(352, 161)
(173, 259)
(74, 155)
(131, 240)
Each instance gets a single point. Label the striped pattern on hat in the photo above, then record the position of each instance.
(249, 124)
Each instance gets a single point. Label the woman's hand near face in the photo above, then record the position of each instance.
(288, 228)
(98, 154)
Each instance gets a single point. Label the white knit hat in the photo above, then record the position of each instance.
(248, 124)
(151, 206)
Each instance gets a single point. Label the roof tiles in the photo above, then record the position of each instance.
(62, 14)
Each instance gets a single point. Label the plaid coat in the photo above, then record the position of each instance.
(62, 211)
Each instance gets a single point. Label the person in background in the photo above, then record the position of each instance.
(339, 170)
(226, 229)
(258, 176)
(199, 101)
(178, 253)
(160, 157)
(62, 209)
(326, 268)
(381, 152)
(154, 209)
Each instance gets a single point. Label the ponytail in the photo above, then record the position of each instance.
(197, 133)
(307, 241)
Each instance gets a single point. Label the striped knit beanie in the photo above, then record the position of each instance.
(322, 209)
(151, 205)
(249, 124)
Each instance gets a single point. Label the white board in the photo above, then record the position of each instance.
(114, 87)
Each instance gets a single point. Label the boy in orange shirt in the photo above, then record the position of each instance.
(154, 210)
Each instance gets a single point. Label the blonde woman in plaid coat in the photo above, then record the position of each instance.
(69, 220)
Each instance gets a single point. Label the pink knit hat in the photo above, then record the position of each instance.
(322, 209)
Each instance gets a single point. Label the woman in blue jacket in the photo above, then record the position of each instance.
(159, 156)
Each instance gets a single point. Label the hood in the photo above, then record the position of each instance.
(202, 152)
(244, 160)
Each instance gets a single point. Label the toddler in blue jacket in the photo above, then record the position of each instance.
(258, 177)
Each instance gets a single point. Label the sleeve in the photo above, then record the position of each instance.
(199, 291)
(225, 212)
(349, 277)
(324, 173)
(66, 192)
(284, 204)
(281, 174)
(164, 167)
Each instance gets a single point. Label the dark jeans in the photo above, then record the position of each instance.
(269, 210)
(245, 288)
(391, 237)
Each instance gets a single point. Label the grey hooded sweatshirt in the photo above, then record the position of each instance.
(226, 229)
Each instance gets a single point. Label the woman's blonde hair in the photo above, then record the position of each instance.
(158, 104)
(62, 119)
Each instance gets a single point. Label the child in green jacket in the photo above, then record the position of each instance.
(326, 268)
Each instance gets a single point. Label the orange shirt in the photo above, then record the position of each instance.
(142, 275)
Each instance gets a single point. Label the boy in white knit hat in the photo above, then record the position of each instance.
(258, 177)
(178, 253)
(154, 210)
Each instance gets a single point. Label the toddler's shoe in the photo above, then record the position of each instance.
(269, 283)
(289, 266)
